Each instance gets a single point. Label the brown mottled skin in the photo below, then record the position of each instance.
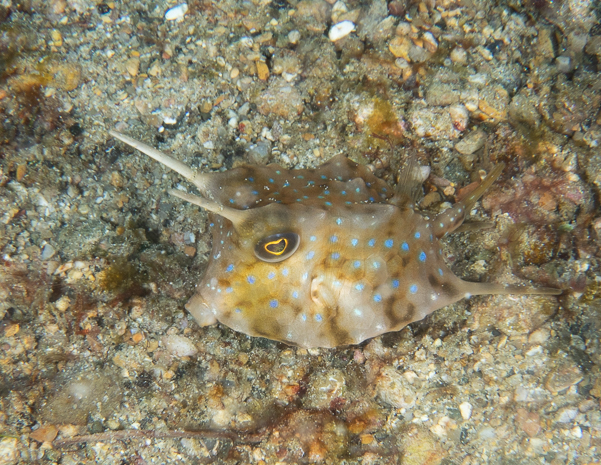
(355, 261)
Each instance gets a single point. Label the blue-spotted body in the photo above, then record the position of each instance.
(322, 257)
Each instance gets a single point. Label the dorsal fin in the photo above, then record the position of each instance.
(408, 188)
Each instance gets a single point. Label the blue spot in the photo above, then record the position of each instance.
(368, 184)
(417, 235)
(278, 172)
(376, 265)
(228, 290)
(310, 183)
(343, 192)
(251, 179)
(329, 204)
(304, 317)
(305, 197)
(273, 303)
(384, 189)
(371, 199)
(313, 238)
(211, 224)
(298, 200)
(255, 193)
(230, 268)
(318, 317)
(357, 190)
(310, 255)
(371, 242)
(300, 177)
(271, 180)
(405, 246)
(320, 197)
(295, 294)
(231, 200)
(335, 256)
(286, 184)
(422, 256)
(338, 221)
(285, 272)
(389, 243)
(440, 271)
(271, 275)
(326, 192)
(323, 176)
(395, 283)
(348, 203)
(357, 264)
(359, 286)
(354, 242)
(413, 288)
(238, 310)
(251, 279)
(377, 298)
(334, 239)
(431, 237)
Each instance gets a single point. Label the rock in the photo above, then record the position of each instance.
(432, 122)
(394, 389)
(340, 30)
(563, 377)
(442, 93)
(45, 433)
(280, 99)
(8, 451)
(471, 143)
(465, 409)
(47, 252)
(179, 346)
(518, 315)
(325, 387)
(529, 422)
(522, 109)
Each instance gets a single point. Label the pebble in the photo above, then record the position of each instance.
(471, 143)
(566, 415)
(177, 12)
(563, 377)
(465, 408)
(341, 30)
(516, 315)
(394, 389)
(324, 387)
(47, 252)
(8, 451)
(529, 422)
(294, 36)
(45, 433)
(179, 346)
(262, 71)
(133, 66)
(459, 55)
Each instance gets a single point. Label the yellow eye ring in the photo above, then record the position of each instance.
(277, 247)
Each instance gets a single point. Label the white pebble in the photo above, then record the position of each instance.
(47, 252)
(179, 346)
(177, 12)
(466, 410)
(340, 30)
(294, 37)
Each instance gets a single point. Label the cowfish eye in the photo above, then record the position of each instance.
(277, 247)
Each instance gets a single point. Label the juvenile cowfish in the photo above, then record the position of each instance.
(322, 257)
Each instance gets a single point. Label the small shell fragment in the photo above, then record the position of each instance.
(340, 30)
(177, 12)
